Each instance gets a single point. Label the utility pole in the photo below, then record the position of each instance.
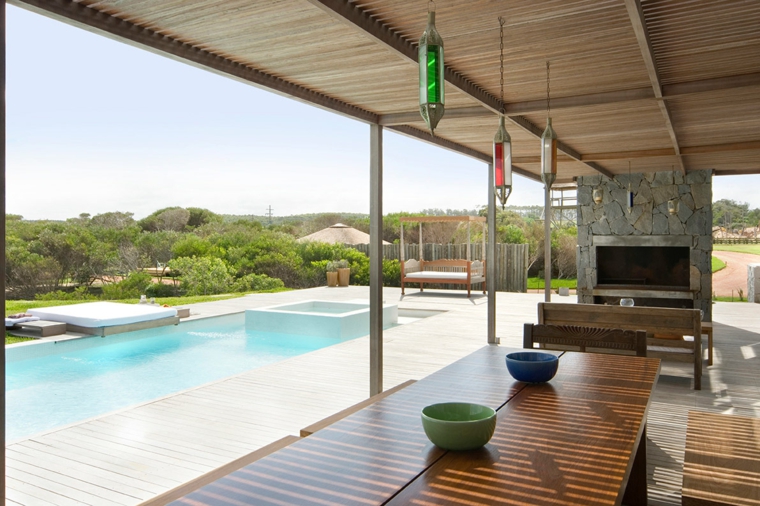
(269, 214)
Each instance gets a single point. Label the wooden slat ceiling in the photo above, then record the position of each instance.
(659, 83)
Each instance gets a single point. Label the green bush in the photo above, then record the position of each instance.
(162, 290)
(202, 275)
(391, 273)
(256, 283)
(134, 285)
(80, 293)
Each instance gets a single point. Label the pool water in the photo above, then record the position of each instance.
(84, 378)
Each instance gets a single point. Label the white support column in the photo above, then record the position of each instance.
(547, 245)
(490, 263)
(401, 253)
(469, 246)
(422, 257)
(375, 259)
(2, 233)
(483, 245)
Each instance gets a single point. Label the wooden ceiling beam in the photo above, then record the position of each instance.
(404, 118)
(736, 172)
(669, 91)
(425, 136)
(350, 13)
(636, 15)
(686, 150)
(676, 90)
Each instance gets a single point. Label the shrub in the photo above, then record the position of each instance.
(202, 275)
(257, 283)
(162, 290)
(134, 285)
(80, 293)
(391, 273)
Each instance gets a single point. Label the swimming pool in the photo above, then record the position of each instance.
(78, 379)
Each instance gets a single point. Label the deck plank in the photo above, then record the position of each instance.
(198, 430)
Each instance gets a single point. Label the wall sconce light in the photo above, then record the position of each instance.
(597, 194)
(673, 206)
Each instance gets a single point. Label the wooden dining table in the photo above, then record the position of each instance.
(579, 439)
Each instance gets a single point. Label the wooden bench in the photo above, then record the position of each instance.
(665, 327)
(458, 272)
(211, 476)
(722, 460)
(571, 337)
(325, 422)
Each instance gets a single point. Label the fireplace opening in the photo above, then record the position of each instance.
(643, 266)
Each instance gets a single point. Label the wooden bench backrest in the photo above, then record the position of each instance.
(563, 336)
(652, 319)
(444, 264)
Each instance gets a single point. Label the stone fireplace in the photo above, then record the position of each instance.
(646, 253)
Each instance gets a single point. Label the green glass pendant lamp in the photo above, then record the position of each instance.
(430, 58)
(502, 142)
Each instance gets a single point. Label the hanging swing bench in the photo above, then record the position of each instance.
(443, 271)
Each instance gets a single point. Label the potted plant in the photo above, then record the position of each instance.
(344, 272)
(332, 273)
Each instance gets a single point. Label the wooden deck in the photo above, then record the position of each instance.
(132, 455)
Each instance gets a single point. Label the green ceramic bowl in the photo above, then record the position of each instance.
(458, 425)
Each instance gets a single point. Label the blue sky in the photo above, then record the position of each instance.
(95, 125)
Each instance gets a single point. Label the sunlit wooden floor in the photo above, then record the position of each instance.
(132, 455)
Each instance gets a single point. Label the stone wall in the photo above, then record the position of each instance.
(649, 216)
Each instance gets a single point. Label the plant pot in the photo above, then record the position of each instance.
(343, 276)
(332, 279)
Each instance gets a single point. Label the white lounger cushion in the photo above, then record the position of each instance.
(423, 275)
(103, 314)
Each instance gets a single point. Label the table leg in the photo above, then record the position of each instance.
(636, 488)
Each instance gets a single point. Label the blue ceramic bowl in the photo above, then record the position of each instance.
(532, 366)
(458, 425)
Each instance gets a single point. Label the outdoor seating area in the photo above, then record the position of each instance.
(273, 403)
(453, 272)
(672, 333)
(638, 104)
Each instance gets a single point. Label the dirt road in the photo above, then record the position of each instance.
(734, 276)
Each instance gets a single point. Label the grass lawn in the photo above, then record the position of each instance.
(717, 264)
(735, 298)
(20, 306)
(754, 249)
(537, 283)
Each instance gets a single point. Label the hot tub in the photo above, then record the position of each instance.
(342, 320)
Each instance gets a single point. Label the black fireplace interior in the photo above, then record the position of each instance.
(643, 266)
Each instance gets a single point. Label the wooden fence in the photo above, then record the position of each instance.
(736, 240)
(511, 259)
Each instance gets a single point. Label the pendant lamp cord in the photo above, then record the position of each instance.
(501, 62)
(548, 106)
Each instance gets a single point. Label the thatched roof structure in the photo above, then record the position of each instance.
(339, 233)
